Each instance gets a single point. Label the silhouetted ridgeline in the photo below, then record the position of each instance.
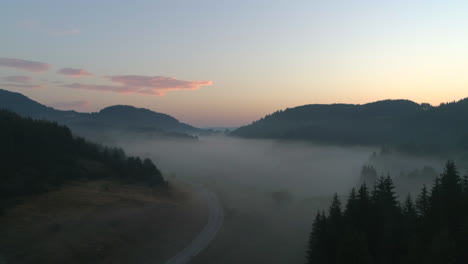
(35, 155)
(373, 227)
(401, 123)
(113, 118)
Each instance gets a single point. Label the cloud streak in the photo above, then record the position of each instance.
(18, 79)
(98, 87)
(157, 82)
(23, 85)
(31, 66)
(75, 73)
(139, 84)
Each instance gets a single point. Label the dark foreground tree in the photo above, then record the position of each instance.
(376, 228)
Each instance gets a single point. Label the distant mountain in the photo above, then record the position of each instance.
(119, 117)
(129, 116)
(401, 123)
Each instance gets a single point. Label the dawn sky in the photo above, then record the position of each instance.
(227, 63)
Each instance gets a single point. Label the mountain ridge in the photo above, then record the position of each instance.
(123, 117)
(402, 123)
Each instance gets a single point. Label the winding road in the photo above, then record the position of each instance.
(208, 233)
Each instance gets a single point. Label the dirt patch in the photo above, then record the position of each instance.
(101, 222)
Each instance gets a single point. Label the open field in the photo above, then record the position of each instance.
(101, 222)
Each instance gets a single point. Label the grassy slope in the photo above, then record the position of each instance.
(101, 222)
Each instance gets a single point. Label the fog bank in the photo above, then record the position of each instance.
(270, 190)
(266, 165)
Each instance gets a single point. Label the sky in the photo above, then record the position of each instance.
(228, 63)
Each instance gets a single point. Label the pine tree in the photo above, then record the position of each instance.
(389, 191)
(364, 214)
(447, 198)
(334, 227)
(408, 209)
(313, 240)
(363, 195)
(351, 205)
(378, 189)
(335, 215)
(410, 221)
(423, 203)
(386, 217)
(316, 250)
(451, 183)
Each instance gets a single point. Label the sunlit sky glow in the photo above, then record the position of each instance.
(227, 63)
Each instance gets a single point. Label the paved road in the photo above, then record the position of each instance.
(215, 221)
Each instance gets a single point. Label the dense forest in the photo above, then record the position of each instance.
(37, 154)
(374, 227)
(398, 123)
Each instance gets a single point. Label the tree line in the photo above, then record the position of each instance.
(374, 227)
(399, 124)
(37, 154)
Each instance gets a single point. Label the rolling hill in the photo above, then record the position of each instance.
(119, 117)
(401, 123)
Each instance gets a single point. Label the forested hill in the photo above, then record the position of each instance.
(36, 155)
(401, 123)
(120, 117)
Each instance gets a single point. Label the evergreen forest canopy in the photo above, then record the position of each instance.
(374, 227)
(399, 123)
(36, 155)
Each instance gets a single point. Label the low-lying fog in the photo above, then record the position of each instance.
(264, 165)
(270, 190)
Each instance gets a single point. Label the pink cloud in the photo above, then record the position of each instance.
(70, 104)
(18, 85)
(137, 84)
(98, 87)
(32, 66)
(18, 79)
(75, 73)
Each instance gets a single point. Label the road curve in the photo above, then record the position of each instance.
(208, 233)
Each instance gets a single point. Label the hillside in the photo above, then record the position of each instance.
(400, 123)
(38, 155)
(119, 117)
(103, 221)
